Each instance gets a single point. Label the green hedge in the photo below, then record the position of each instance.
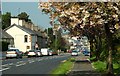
(4, 46)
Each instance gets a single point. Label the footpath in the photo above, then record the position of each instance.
(83, 67)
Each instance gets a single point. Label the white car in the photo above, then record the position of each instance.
(32, 53)
(13, 53)
(50, 52)
(45, 51)
(39, 53)
(74, 53)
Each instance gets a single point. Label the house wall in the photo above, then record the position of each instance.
(18, 21)
(15, 21)
(18, 36)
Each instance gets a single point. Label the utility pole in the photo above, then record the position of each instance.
(18, 14)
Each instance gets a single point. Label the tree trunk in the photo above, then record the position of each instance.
(91, 47)
(110, 64)
(109, 43)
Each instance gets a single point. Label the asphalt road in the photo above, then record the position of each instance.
(33, 65)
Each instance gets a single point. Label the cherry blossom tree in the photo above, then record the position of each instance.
(80, 17)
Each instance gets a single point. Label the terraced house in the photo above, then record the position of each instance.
(25, 39)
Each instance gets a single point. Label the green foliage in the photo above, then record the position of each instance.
(116, 69)
(24, 16)
(99, 66)
(6, 20)
(92, 58)
(64, 67)
(5, 46)
(55, 42)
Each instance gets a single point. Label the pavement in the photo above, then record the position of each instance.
(83, 67)
(2, 55)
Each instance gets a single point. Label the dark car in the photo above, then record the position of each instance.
(69, 51)
(54, 52)
(86, 53)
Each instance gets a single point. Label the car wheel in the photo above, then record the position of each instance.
(21, 57)
(17, 57)
(6, 57)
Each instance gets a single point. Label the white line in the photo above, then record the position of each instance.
(5, 65)
(40, 59)
(21, 64)
(31, 61)
(11, 64)
(4, 69)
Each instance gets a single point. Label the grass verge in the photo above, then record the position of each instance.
(63, 68)
(101, 67)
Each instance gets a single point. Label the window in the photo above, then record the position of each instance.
(28, 47)
(25, 38)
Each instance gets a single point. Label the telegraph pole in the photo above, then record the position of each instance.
(18, 14)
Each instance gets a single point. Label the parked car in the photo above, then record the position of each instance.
(13, 53)
(39, 53)
(74, 53)
(86, 53)
(50, 52)
(45, 51)
(69, 51)
(54, 52)
(32, 53)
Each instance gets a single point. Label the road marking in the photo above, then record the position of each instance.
(5, 65)
(4, 69)
(31, 61)
(40, 59)
(10, 64)
(21, 64)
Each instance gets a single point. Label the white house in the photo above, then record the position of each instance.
(24, 38)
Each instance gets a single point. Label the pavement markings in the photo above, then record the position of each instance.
(4, 69)
(10, 64)
(5, 65)
(31, 61)
(40, 59)
(21, 64)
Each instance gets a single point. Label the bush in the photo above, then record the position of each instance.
(99, 66)
(4, 46)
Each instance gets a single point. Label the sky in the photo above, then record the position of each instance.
(31, 8)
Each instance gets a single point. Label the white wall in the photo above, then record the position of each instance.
(18, 36)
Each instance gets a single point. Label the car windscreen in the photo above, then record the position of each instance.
(38, 50)
(74, 51)
(31, 50)
(12, 49)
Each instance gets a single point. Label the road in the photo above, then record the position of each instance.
(33, 65)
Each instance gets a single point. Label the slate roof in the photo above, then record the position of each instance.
(23, 28)
(4, 34)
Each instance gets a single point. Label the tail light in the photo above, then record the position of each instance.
(16, 53)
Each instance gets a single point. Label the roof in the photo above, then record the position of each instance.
(5, 34)
(22, 28)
